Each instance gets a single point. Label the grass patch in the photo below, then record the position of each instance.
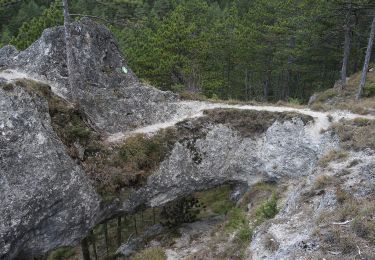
(155, 253)
(333, 99)
(356, 134)
(332, 156)
(216, 201)
(238, 222)
(323, 181)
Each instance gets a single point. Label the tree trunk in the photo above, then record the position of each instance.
(118, 231)
(347, 42)
(69, 50)
(367, 60)
(135, 224)
(85, 249)
(93, 241)
(105, 227)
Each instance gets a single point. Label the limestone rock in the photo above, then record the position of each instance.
(105, 87)
(285, 150)
(46, 199)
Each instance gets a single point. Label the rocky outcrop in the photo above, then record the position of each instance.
(223, 155)
(46, 199)
(105, 87)
(325, 215)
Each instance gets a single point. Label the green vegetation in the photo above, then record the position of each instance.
(356, 134)
(244, 50)
(244, 223)
(143, 153)
(62, 253)
(267, 210)
(216, 201)
(345, 99)
(155, 253)
(185, 210)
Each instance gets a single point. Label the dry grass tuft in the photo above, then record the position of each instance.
(332, 156)
(356, 134)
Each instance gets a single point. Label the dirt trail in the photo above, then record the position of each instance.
(11, 75)
(193, 109)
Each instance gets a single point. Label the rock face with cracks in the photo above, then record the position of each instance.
(46, 199)
(48, 202)
(223, 156)
(105, 87)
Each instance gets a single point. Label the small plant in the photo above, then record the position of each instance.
(8, 87)
(369, 90)
(354, 163)
(270, 243)
(62, 253)
(78, 132)
(323, 181)
(360, 121)
(294, 101)
(237, 221)
(341, 196)
(155, 253)
(268, 209)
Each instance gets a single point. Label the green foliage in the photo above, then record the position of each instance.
(142, 152)
(294, 101)
(62, 253)
(155, 253)
(184, 210)
(31, 30)
(217, 201)
(238, 221)
(370, 90)
(268, 209)
(222, 49)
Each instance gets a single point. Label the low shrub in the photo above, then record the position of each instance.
(356, 134)
(369, 90)
(62, 253)
(185, 210)
(155, 253)
(268, 209)
(332, 156)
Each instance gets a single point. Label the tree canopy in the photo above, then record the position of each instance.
(260, 49)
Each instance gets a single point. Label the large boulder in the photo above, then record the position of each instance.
(46, 199)
(104, 86)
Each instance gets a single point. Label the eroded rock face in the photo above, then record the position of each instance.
(105, 87)
(46, 200)
(310, 216)
(285, 150)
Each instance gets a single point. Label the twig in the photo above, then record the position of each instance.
(342, 223)
(334, 253)
(127, 242)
